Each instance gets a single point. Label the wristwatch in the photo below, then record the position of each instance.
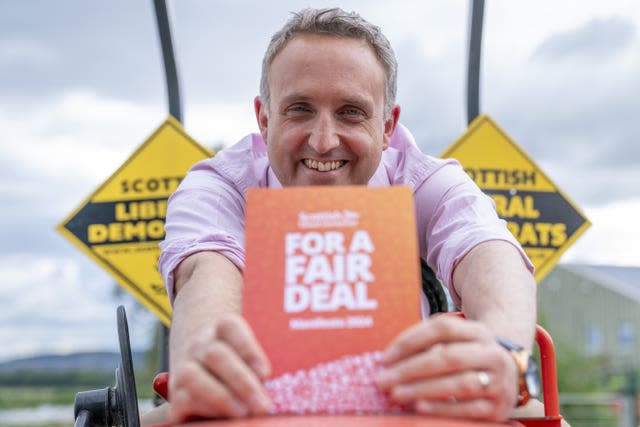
(528, 381)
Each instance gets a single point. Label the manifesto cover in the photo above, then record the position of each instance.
(331, 275)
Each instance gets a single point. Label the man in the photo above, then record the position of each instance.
(327, 116)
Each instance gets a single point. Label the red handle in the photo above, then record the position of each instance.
(161, 385)
(549, 372)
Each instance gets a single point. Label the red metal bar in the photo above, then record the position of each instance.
(161, 385)
(549, 372)
(346, 421)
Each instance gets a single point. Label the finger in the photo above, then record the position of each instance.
(237, 333)
(188, 408)
(195, 392)
(438, 360)
(464, 386)
(451, 408)
(440, 329)
(235, 376)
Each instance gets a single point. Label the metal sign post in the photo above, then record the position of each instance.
(175, 109)
(473, 69)
(540, 216)
(170, 68)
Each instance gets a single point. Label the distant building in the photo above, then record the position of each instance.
(596, 309)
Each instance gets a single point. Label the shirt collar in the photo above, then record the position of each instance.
(272, 179)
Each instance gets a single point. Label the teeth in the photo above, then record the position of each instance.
(323, 167)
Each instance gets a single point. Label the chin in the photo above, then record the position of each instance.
(320, 181)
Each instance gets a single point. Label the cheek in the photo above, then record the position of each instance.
(286, 136)
(280, 155)
(369, 155)
(368, 149)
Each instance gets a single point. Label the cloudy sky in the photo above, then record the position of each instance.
(82, 85)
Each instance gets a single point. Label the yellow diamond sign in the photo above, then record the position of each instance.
(539, 215)
(121, 224)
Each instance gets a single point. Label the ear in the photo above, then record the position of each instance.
(261, 116)
(390, 126)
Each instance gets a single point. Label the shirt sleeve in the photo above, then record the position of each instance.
(206, 213)
(454, 216)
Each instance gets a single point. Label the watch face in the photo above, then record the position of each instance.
(531, 378)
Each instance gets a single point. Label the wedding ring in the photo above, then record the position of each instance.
(483, 377)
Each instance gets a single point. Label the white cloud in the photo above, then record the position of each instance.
(79, 135)
(438, 26)
(612, 238)
(63, 148)
(57, 304)
(214, 123)
(25, 52)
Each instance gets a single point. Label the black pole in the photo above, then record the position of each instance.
(473, 75)
(171, 71)
(175, 109)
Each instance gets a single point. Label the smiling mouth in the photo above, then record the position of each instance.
(324, 166)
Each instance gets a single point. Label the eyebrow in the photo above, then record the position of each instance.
(358, 102)
(294, 97)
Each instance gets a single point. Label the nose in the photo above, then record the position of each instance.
(323, 137)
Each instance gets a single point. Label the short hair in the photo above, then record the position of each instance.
(334, 22)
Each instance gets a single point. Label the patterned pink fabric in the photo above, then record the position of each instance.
(337, 387)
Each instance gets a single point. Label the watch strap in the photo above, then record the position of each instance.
(523, 360)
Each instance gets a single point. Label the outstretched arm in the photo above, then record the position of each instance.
(498, 290)
(453, 367)
(216, 363)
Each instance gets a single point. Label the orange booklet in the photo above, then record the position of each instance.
(331, 276)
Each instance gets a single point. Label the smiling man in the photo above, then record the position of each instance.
(327, 116)
(324, 118)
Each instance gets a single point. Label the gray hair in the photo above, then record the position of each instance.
(334, 22)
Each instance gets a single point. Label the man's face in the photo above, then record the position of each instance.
(324, 124)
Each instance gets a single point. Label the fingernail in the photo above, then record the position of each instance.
(238, 409)
(260, 369)
(390, 355)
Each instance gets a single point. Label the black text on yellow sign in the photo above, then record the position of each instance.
(537, 219)
(537, 213)
(121, 224)
(128, 221)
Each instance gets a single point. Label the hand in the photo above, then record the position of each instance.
(451, 367)
(219, 374)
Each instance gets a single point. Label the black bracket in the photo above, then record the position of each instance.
(113, 406)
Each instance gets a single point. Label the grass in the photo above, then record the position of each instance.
(31, 389)
(22, 397)
(30, 396)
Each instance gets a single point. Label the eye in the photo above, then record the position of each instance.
(352, 113)
(298, 109)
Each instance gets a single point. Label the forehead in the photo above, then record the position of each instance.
(320, 40)
(327, 60)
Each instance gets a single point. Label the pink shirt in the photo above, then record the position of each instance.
(206, 213)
